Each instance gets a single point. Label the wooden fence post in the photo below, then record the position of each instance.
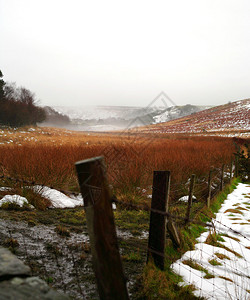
(159, 207)
(209, 184)
(231, 170)
(222, 177)
(190, 197)
(101, 227)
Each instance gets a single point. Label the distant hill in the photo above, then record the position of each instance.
(225, 119)
(54, 118)
(108, 118)
(175, 112)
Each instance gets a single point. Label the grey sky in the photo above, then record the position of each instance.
(126, 52)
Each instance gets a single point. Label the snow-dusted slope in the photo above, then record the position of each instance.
(222, 119)
(175, 112)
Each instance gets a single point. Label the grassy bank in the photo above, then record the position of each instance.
(157, 284)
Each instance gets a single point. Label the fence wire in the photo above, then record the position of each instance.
(65, 263)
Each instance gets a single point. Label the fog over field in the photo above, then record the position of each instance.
(108, 118)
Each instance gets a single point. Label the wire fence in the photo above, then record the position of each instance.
(65, 261)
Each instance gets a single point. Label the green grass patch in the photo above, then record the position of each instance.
(194, 265)
(157, 284)
(134, 256)
(222, 196)
(135, 221)
(214, 262)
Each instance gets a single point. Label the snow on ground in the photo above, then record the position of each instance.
(185, 198)
(15, 199)
(57, 198)
(228, 266)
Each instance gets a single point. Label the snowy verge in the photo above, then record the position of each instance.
(228, 266)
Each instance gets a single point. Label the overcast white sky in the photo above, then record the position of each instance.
(126, 52)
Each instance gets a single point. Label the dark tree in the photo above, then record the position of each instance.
(18, 106)
(2, 83)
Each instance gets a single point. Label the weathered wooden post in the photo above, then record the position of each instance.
(231, 170)
(222, 177)
(190, 197)
(101, 227)
(209, 186)
(159, 207)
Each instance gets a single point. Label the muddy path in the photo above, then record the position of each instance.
(55, 244)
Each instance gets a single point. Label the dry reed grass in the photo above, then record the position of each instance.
(130, 159)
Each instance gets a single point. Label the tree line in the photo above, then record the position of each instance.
(18, 106)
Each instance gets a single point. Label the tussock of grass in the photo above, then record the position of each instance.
(233, 210)
(241, 208)
(231, 237)
(213, 240)
(214, 262)
(63, 231)
(194, 265)
(157, 284)
(222, 256)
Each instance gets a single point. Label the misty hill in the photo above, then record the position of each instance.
(54, 118)
(232, 118)
(106, 118)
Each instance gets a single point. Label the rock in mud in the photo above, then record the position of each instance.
(28, 288)
(11, 266)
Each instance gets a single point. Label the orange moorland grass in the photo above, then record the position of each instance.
(50, 160)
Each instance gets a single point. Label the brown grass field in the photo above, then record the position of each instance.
(47, 156)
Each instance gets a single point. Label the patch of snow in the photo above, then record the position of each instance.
(58, 199)
(15, 199)
(231, 275)
(5, 189)
(185, 198)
